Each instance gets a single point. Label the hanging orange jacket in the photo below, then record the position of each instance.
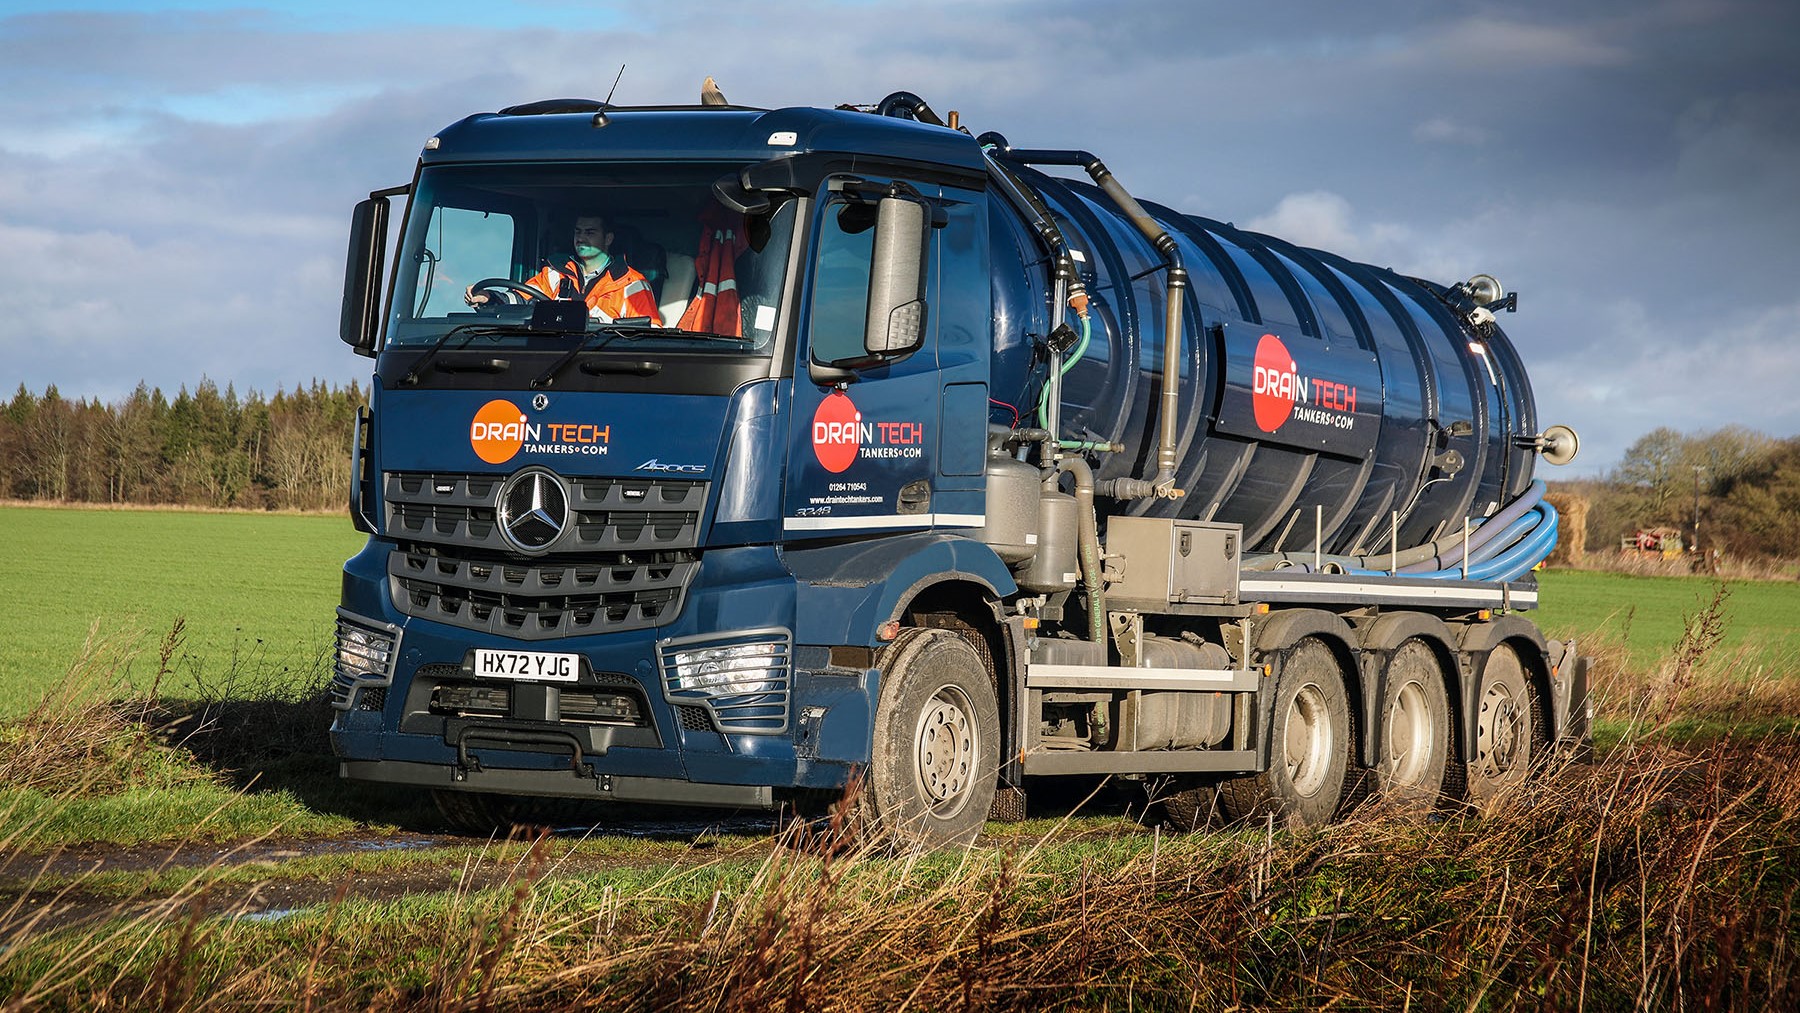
(617, 291)
(714, 308)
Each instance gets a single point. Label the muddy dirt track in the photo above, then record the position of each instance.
(57, 889)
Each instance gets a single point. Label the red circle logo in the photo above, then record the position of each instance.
(836, 432)
(1275, 384)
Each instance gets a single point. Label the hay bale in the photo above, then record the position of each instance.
(1572, 522)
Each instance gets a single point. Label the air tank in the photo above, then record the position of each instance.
(1321, 402)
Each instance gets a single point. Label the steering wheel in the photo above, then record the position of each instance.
(525, 293)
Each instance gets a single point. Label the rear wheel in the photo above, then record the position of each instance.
(936, 748)
(1505, 733)
(1415, 730)
(1311, 744)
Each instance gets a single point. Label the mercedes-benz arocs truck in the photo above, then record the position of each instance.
(943, 466)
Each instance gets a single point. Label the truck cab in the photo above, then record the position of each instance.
(619, 558)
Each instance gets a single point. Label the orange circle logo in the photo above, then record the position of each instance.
(498, 431)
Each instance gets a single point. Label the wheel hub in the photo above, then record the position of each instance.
(945, 747)
(1306, 747)
(1504, 735)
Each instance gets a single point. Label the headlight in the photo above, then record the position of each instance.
(740, 679)
(745, 668)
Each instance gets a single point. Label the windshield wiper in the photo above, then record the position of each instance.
(630, 332)
(473, 331)
(548, 316)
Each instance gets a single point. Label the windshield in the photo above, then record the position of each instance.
(646, 248)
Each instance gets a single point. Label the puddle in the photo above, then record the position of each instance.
(688, 829)
(272, 915)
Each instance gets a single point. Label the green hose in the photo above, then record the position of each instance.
(1043, 408)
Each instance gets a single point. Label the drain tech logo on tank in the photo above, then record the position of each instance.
(840, 436)
(500, 431)
(1278, 392)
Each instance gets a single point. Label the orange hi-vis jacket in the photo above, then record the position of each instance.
(617, 291)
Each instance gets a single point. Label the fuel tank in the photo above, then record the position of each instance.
(1321, 401)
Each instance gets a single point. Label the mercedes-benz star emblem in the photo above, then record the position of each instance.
(540, 402)
(533, 510)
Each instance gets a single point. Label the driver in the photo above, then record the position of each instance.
(610, 287)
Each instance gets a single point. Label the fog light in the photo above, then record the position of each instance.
(363, 658)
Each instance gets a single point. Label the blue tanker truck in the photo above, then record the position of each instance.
(940, 466)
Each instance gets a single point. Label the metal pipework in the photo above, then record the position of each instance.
(1090, 544)
(1162, 484)
(1066, 285)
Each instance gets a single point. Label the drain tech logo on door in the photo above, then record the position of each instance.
(840, 435)
(500, 431)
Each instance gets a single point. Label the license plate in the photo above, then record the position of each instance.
(527, 665)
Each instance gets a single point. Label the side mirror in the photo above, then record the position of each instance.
(897, 311)
(363, 270)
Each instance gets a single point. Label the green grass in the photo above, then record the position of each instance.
(1647, 613)
(257, 591)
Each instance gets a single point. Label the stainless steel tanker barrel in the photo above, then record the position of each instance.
(1318, 399)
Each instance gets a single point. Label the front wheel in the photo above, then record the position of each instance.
(936, 747)
(1310, 742)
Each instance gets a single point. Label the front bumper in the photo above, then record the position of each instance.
(681, 755)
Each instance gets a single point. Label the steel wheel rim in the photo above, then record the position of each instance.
(1409, 735)
(945, 744)
(1500, 732)
(1306, 743)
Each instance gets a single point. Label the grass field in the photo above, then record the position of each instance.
(1647, 614)
(257, 592)
(255, 589)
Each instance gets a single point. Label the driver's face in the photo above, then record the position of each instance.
(592, 232)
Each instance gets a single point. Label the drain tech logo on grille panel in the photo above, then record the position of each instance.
(500, 430)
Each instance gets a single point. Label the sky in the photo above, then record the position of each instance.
(176, 178)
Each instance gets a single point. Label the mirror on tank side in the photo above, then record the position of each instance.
(897, 311)
(363, 268)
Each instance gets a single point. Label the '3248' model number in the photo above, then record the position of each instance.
(527, 665)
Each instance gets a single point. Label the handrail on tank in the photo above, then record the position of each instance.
(1163, 483)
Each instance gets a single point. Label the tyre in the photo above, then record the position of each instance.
(486, 815)
(1310, 745)
(1189, 810)
(1415, 730)
(936, 747)
(1506, 728)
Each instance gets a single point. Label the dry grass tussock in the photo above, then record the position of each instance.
(1660, 878)
(86, 735)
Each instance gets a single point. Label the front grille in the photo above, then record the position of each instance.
(606, 514)
(541, 600)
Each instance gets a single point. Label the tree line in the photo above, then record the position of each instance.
(208, 447)
(214, 448)
(1738, 490)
